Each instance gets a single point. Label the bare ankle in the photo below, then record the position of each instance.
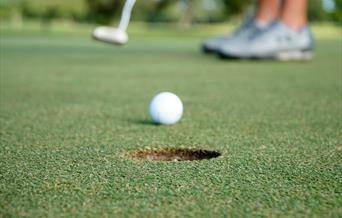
(295, 24)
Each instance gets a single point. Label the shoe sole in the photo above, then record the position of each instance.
(294, 56)
(206, 50)
(298, 55)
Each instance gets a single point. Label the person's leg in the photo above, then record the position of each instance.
(293, 14)
(266, 11)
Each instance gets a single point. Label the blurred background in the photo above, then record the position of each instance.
(184, 13)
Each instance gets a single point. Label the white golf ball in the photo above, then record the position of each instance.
(166, 108)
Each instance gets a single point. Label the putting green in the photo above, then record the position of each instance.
(72, 110)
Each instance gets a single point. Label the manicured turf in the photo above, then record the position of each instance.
(72, 109)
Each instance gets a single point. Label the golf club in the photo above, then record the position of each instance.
(117, 36)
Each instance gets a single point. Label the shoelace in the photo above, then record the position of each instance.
(260, 31)
(249, 21)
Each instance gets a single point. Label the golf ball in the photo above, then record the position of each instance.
(166, 108)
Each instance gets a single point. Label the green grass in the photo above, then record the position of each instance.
(72, 109)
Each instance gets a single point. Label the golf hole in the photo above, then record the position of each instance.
(174, 154)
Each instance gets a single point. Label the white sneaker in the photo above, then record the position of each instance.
(276, 42)
(247, 28)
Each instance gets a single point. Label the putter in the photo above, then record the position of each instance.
(117, 36)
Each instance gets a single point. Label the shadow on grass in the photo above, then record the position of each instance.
(144, 122)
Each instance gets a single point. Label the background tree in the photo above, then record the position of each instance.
(103, 11)
(235, 7)
(182, 11)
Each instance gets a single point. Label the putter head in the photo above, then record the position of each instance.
(110, 35)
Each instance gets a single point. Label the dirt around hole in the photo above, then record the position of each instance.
(174, 154)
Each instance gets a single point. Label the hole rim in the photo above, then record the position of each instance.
(174, 154)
